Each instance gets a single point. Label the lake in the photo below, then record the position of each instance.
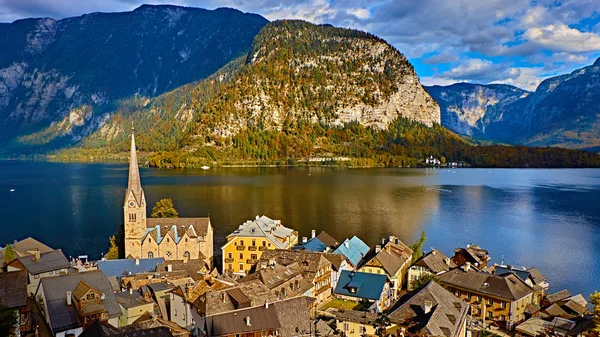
(549, 219)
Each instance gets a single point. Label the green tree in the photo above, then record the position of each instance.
(9, 254)
(422, 281)
(595, 300)
(164, 209)
(381, 323)
(8, 320)
(113, 250)
(417, 247)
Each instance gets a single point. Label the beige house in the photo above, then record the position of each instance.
(40, 265)
(171, 239)
(392, 258)
(432, 263)
(133, 305)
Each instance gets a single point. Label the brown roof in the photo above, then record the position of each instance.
(336, 260)
(82, 289)
(28, 245)
(327, 239)
(556, 311)
(509, 286)
(445, 318)
(576, 307)
(223, 300)
(13, 289)
(183, 225)
(283, 281)
(392, 256)
(308, 262)
(193, 267)
(148, 320)
(536, 275)
(355, 316)
(561, 295)
(435, 261)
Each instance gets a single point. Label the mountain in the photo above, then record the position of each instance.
(60, 80)
(303, 93)
(562, 111)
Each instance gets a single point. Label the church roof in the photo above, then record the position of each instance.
(158, 228)
(134, 185)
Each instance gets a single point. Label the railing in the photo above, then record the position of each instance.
(253, 248)
(228, 259)
(252, 261)
(240, 247)
(261, 248)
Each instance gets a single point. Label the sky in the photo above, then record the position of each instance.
(518, 42)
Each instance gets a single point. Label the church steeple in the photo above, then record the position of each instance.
(134, 185)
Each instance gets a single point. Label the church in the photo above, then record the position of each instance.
(169, 238)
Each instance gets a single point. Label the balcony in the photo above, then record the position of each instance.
(252, 248)
(252, 261)
(261, 248)
(229, 260)
(240, 247)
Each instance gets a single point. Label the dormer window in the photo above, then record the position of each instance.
(352, 290)
(91, 297)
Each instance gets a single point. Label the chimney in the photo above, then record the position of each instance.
(137, 261)
(347, 244)
(383, 241)
(304, 239)
(169, 268)
(447, 261)
(36, 255)
(257, 217)
(427, 307)
(69, 300)
(248, 321)
(313, 233)
(377, 248)
(468, 245)
(467, 266)
(130, 291)
(223, 297)
(185, 259)
(266, 305)
(433, 252)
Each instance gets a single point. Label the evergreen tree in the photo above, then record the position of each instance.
(113, 250)
(164, 209)
(9, 254)
(417, 247)
(595, 300)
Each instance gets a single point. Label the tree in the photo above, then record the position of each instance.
(113, 250)
(595, 300)
(9, 254)
(164, 209)
(417, 247)
(381, 323)
(422, 281)
(8, 320)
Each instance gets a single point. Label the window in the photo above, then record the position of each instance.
(186, 239)
(241, 242)
(490, 314)
(167, 239)
(253, 243)
(264, 243)
(175, 314)
(36, 276)
(149, 239)
(132, 217)
(363, 330)
(90, 296)
(169, 254)
(241, 256)
(150, 255)
(469, 296)
(458, 292)
(346, 327)
(50, 272)
(241, 267)
(254, 257)
(186, 254)
(490, 301)
(230, 266)
(503, 305)
(229, 255)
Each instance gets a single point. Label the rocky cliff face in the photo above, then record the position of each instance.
(563, 110)
(53, 70)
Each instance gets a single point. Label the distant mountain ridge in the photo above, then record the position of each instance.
(61, 79)
(563, 110)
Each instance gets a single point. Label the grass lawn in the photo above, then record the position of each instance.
(340, 304)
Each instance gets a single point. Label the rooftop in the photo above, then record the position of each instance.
(392, 256)
(432, 309)
(49, 261)
(28, 245)
(13, 289)
(354, 249)
(360, 285)
(266, 227)
(435, 261)
(176, 228)
(124, 267)
(63, 316)
(131, 300)
(509, 286)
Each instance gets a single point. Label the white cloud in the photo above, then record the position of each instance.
(560, 37)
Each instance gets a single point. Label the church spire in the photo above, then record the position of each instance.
(134, 185)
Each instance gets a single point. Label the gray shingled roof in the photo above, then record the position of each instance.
(446, 315)
(49, 261)
(177, 227)
(62, 316)
(265, 227)
(13, 289)
(509, 286)
(435, 261)
(28, 244)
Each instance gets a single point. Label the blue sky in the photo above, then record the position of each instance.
(517, 42)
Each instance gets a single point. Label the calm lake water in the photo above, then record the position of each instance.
(544, 218)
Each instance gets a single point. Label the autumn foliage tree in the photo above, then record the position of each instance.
(164, 209)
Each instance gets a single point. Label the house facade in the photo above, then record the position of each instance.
(392, 259)
(365, 287)
(246, 244)
(172, 238)
(40, 265)
(432, 263)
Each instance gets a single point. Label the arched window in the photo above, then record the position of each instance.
(186, 254)
(150, 255)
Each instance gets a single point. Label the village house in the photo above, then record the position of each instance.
(25, 247)
(473, 254)
(40, 265)
(431, 310)
(244, 295)
(353, 249)
(502, 299)
(283, 281)
(316, 268)
(354, 323)
(102, 329)
(365, 287)
(150, 321)
(392, 258)
(432, 263)
(70, 303)
(133, 305)
(13, 295)
(287, 318)
(169, 238)
(531, 276)
(246, 244)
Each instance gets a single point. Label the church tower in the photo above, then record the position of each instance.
(134, 208)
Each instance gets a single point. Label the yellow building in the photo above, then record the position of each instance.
(245, 245)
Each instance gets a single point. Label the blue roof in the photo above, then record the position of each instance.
(315, 245)
(367, 285)
(355, 251)
(121, 267)
(522, 274)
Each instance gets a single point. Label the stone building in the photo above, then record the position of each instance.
(172, 238)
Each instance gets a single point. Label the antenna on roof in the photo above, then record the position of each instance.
(502, 260)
